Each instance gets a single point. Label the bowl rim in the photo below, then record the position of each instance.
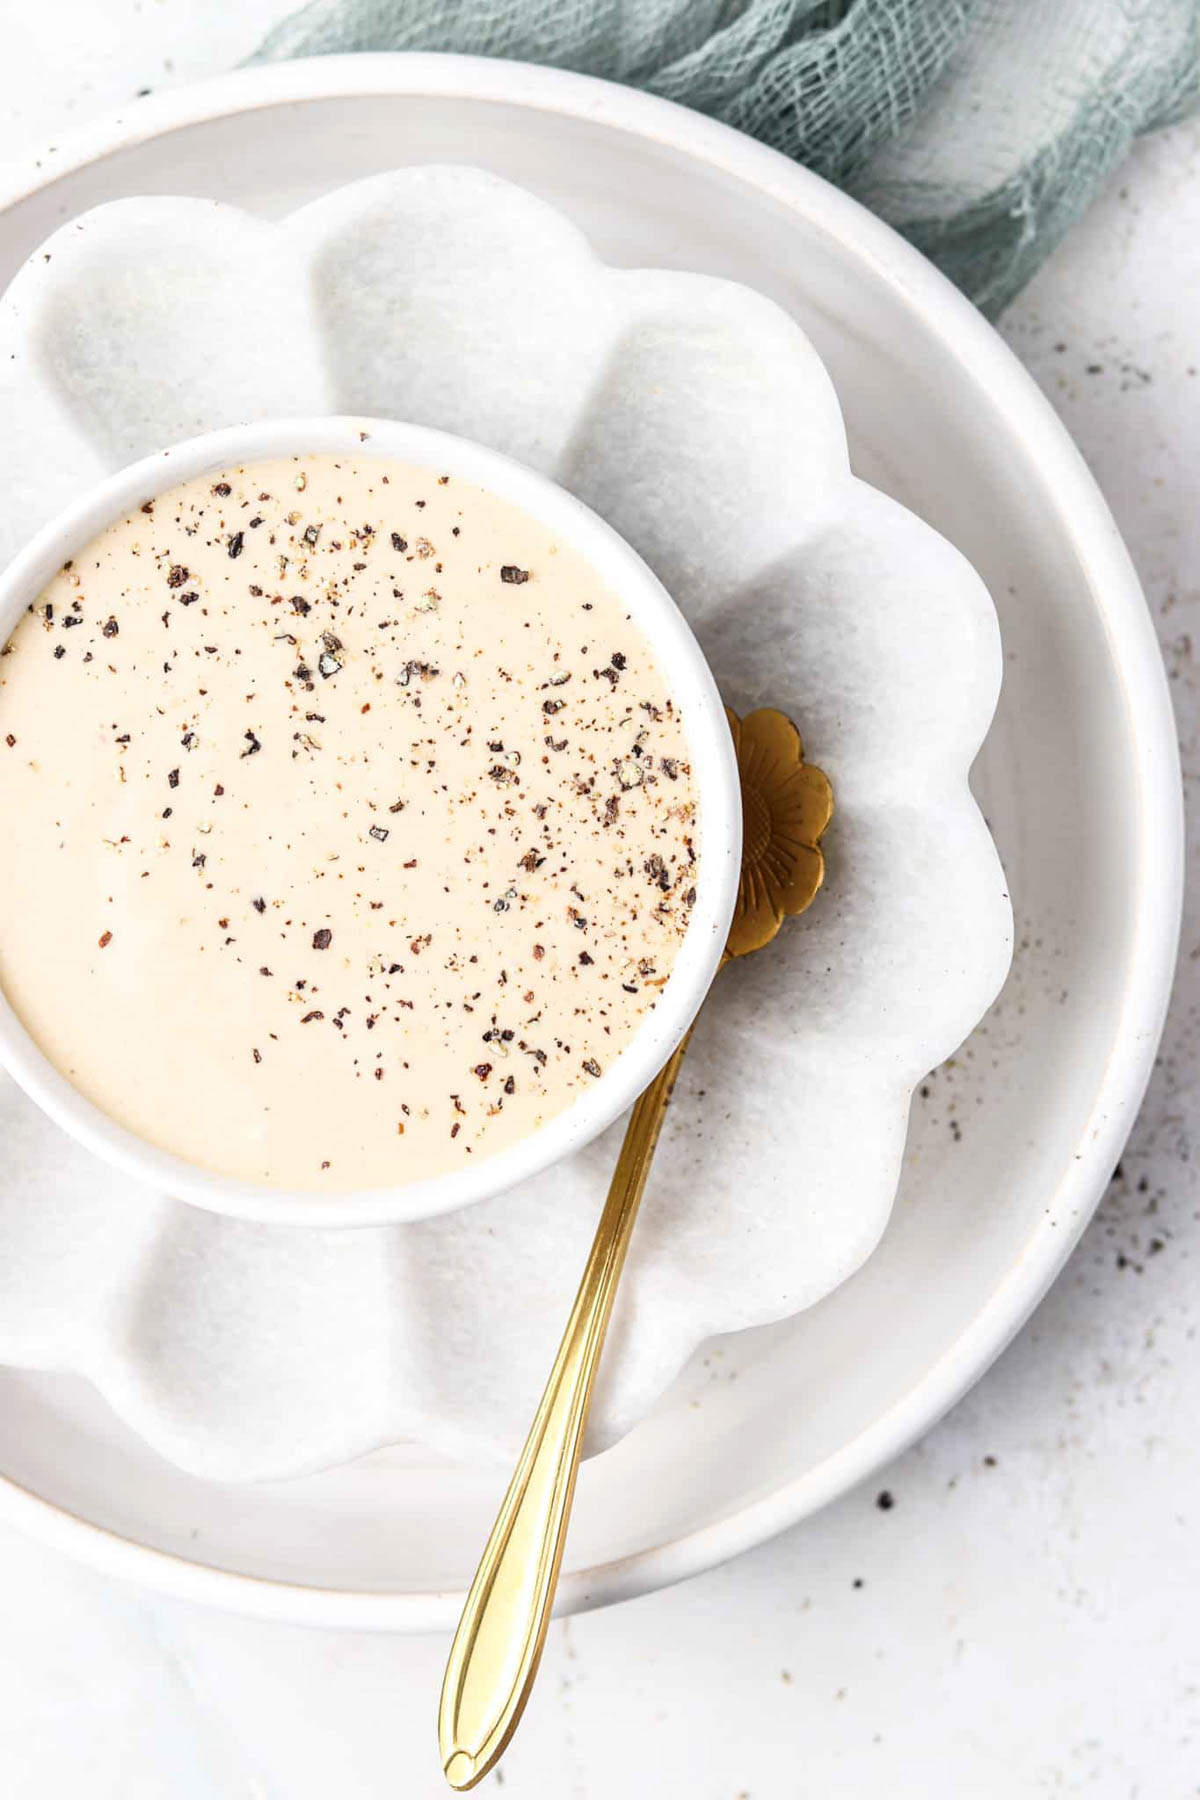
(710, 745)
(1086, 523)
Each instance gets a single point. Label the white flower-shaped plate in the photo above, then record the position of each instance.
(696, 417)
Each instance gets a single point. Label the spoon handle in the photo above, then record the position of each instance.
(498, 1645)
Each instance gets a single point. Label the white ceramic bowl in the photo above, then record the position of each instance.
(713, 762)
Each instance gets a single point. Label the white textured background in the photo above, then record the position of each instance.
(1021, 1621)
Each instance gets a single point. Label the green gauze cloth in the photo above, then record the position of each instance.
(979, 128)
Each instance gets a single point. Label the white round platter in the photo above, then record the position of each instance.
(1010, 1146)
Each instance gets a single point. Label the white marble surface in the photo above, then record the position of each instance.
(1018, 1622)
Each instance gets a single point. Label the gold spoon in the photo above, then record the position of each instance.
(786, 805)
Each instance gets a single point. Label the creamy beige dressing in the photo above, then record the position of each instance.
(349, 824)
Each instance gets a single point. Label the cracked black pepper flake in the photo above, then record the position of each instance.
(399, 543)
(591, 1067)
(311, 534)
(222, 489)
(173, 778)
(110, 628)
(59, 650)
(322, 938)
(235, 543)
(658, 872)
(300, 604)
(308, 1018)
(259, 904)
(177, 576)
(252, 744)
(509, 572)
(379, 834)
(483, 1070)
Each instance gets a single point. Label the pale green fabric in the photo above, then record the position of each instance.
(980, 128)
